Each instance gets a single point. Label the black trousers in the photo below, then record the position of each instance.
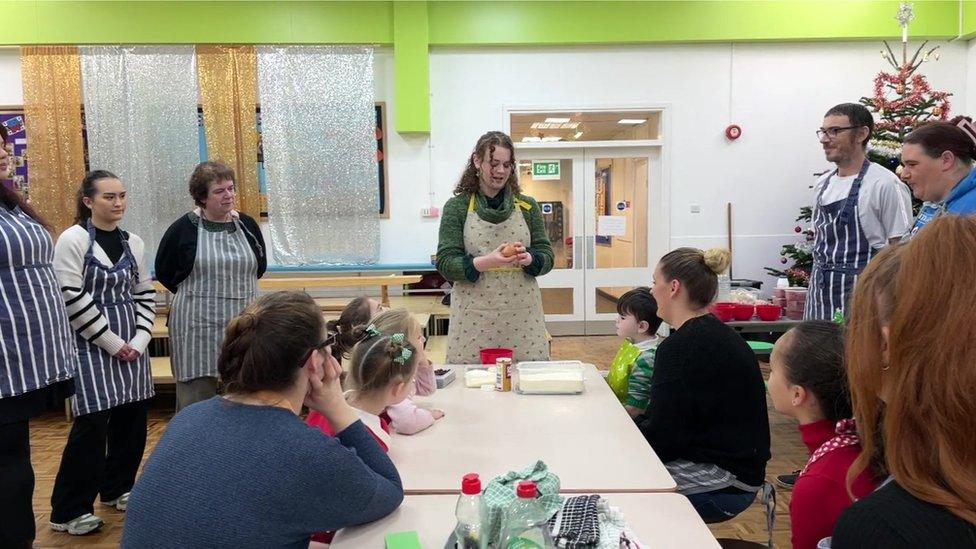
(101, 457)
(16, 486)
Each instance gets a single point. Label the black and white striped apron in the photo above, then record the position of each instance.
(103, 381)
(37, 346)
(223, 281)
(840, 251)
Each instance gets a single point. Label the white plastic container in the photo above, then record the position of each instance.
(550, 378)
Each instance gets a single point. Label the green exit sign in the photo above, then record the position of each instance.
(545, 169)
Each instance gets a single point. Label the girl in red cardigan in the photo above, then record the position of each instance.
(808, 382)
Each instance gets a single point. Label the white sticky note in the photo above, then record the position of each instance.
(611, 225)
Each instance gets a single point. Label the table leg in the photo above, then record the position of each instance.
(385, 296)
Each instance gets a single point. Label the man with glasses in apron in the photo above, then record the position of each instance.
(860, 207)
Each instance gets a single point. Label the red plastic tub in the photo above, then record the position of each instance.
(489, 356)
(769, 312)
(724, 311)
(744, 312)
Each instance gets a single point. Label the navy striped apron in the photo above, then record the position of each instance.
(104, 381)
(37, 347)
(223, 281)
(840, 252)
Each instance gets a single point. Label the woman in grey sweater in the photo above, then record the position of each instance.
(243, 470)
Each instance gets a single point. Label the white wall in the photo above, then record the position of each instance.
(779, 93)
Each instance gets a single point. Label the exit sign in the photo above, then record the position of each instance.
(545, 169)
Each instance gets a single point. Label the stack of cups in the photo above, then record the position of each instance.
(796, 301)
(779, 293)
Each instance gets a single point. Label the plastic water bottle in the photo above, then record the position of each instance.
(524, 525)
(724, 288)
(469, 511)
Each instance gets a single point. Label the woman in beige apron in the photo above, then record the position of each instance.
(496, 300)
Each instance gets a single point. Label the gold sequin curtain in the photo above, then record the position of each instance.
(228, 92)
(52, 108)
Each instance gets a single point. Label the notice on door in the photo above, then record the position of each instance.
(611, 225)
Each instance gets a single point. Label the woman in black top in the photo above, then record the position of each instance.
(707, 417)
(910, 352)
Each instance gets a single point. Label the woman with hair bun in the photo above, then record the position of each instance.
(937, 162)
(708, 423)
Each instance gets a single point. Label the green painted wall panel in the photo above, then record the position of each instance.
(200, 22)
(411, 62)
(968, 19)
(591, 22)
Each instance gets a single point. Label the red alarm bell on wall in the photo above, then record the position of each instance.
(733, 132)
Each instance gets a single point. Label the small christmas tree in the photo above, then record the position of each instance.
(800, 253)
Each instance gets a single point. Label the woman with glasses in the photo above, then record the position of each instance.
(243, 470)
(859, 208)
(211, 258)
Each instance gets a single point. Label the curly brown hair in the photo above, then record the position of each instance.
(485, 147)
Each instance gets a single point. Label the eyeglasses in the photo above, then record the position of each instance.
(329, 340)
(831, 133)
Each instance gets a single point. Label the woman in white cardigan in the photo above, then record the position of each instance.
(111, 305)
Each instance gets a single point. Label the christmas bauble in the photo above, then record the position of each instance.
(900, 89)
(797, 229)
(937, 111)
(782, 260)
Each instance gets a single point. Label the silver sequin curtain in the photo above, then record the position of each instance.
(141, 119)
(318, 130)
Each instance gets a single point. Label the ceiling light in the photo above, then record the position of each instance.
(578, 135)
(553, 126)
(631, 121)
(557, 120)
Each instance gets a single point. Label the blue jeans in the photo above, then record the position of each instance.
(720, 506)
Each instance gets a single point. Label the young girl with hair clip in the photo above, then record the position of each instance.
(808, 382)
(381, 373)
(406, 418)
(355, 314)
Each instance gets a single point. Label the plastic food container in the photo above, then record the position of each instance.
(550, 378)
(489, 356)
(744, 312)
(769, 312)
(724, 311)
(477, 375)
(796, 294)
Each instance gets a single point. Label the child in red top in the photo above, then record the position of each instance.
(808, 382)
(381, 372)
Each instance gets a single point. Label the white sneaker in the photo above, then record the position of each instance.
(85, 524)
(119, 503)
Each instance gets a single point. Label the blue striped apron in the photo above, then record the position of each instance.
(37, 347)
(223, 281)
(104, 381)
(840, 251)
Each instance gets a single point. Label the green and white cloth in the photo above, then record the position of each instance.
(500, 494)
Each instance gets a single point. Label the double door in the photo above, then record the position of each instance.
(606, 218)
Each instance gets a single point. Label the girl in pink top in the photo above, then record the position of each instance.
(406, 418)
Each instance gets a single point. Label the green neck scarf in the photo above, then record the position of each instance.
(492, 215)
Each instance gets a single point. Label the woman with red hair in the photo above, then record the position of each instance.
(911, 369)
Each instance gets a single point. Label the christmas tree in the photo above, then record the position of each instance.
(902, 101)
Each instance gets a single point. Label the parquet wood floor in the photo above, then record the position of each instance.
(50, 431)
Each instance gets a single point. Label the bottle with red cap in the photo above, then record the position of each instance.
(469, 511)
(524, 524)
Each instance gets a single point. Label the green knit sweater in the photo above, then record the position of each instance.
(455, 264)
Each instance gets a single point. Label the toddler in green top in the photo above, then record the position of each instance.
(637, 321)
